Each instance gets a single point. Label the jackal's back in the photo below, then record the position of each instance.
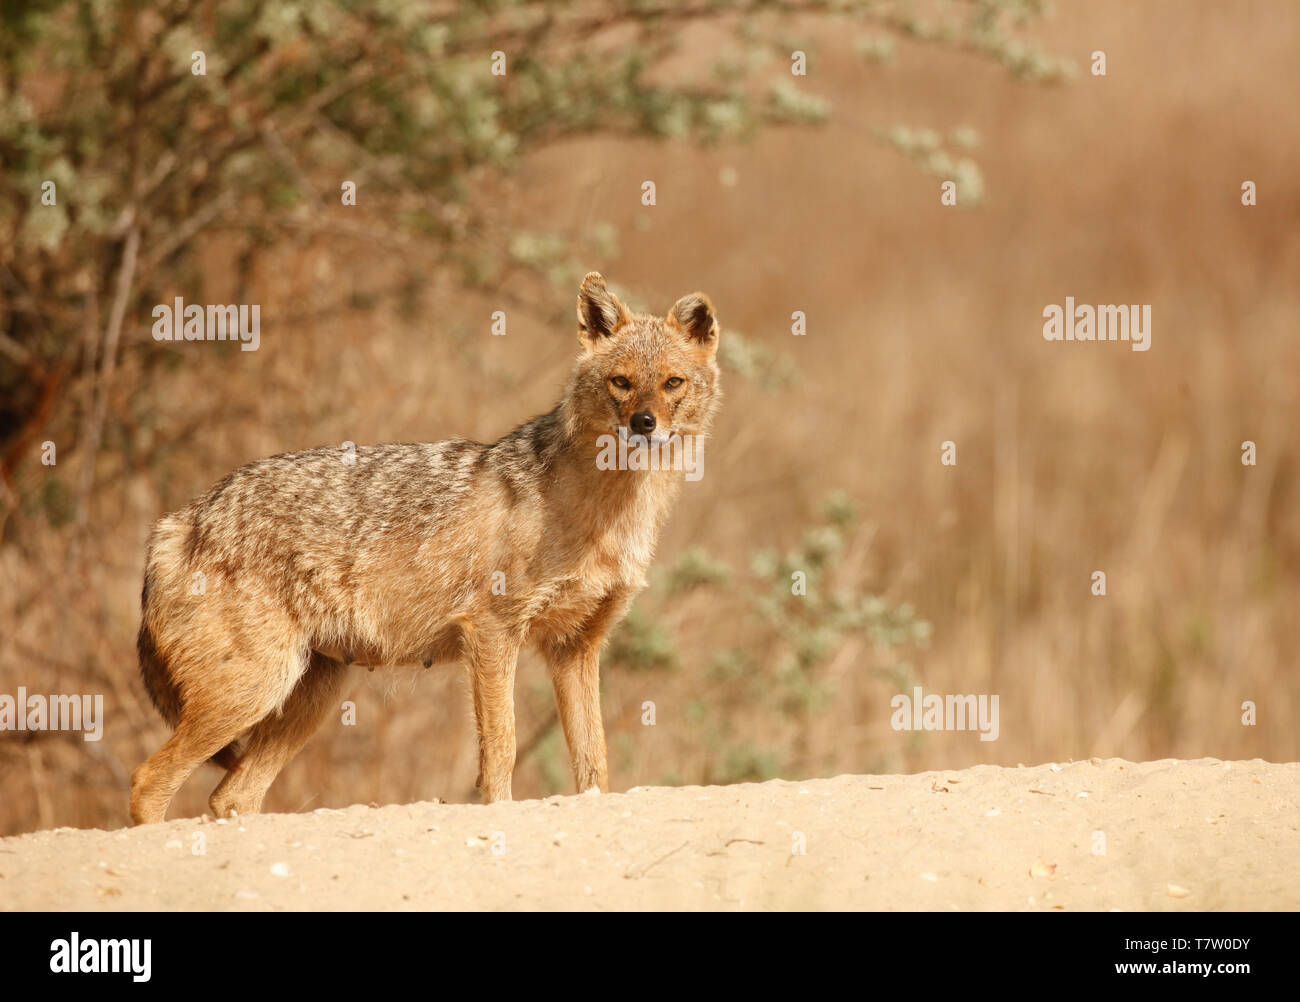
(365, 550)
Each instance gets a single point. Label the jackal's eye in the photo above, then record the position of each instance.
(675, 382)
(621, 382)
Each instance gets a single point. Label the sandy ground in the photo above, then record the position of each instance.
(1104, 834)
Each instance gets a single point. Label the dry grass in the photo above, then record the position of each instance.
(924, 327)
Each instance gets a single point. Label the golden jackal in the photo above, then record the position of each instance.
(260, 593)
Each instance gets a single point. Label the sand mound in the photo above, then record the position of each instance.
(1085, 835)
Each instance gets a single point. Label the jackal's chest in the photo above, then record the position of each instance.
(564, 615)
(570, 604)
(589, 573)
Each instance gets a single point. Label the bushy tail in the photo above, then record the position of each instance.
(157, 681)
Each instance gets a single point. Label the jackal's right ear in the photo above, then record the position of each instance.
(693, 316)
(600, 314)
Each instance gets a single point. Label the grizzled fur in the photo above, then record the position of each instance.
(260, 593)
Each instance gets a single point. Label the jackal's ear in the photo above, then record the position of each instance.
(693, 316)
(600, 314)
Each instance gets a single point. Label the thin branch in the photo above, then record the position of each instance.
(108, 366)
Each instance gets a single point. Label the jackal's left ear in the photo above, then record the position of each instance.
(600, 313)
(693, 316)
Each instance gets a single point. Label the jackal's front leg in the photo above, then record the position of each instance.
(575, 673)
(492, 675)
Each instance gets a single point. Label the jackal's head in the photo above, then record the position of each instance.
(643, 375)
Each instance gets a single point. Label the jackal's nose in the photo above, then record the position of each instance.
(643, 423)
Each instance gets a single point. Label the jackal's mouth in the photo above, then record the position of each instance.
(654, 438)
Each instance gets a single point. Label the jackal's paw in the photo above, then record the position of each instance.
(591, 791)
(225, 805)
(495, 796)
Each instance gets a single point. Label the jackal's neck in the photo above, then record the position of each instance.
(590, 469)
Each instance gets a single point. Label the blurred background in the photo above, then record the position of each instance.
(775, 193)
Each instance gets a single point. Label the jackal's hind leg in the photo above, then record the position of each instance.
(278, 738)
(194, 741)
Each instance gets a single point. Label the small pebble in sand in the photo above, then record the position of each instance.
(174, 844)
(1176, 891)
(280, 870)
(932, 878)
